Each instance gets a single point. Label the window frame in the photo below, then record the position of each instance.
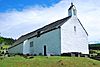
(31, 44)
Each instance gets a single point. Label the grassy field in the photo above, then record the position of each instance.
(54, 61)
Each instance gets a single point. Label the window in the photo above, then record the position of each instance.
(75, 28)
(38, 34)
(69, 12)
(31, 44)
(74, 11)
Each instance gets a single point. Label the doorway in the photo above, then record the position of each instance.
(45, 50)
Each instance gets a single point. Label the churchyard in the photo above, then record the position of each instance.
(48, 61)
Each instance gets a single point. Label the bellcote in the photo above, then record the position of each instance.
(72, 10)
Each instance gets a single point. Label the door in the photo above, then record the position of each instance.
(45, 50)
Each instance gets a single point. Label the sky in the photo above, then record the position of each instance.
(18, 17)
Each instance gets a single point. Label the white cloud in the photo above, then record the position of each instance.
(89, 15)
(14, 23)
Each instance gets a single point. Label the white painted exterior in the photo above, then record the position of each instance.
(16, 49)
(51, 39)
(71, 37)
(71, 40)
(26, 47)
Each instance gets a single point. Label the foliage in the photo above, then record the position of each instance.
(1, 40)
(6, 41)
(52, 61)
(92, 51)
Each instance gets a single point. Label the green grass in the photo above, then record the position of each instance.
(5, 46)
(54, 61)
(97, 51)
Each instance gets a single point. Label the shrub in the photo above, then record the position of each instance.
(35, 54)
(40, 54)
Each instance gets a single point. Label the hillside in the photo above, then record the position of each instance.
(94, 46)
(52, 61)
(6, 41)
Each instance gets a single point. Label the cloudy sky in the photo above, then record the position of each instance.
(18, 17)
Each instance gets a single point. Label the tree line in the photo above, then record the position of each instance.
(7, 41)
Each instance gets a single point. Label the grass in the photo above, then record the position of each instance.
(97, 51)
(53, 61)
(5, 46)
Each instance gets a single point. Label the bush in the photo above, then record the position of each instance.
(1, 48)
(35, 54)
(98, 54)
(66, 54)
(91, 52)
(2, 52)
(40, 54)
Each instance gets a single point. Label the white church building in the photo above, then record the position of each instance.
(62, 36)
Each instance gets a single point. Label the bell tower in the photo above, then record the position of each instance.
(72, 10)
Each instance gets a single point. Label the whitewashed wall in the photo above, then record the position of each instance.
(72, 41)
(16, 49)
(51, 39)
(31, 49)
(26, 47)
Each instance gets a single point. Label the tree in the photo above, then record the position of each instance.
(1, 40)
(7, 41)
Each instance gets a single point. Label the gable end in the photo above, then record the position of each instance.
(82, 27)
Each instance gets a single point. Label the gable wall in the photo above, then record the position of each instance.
(72, 41)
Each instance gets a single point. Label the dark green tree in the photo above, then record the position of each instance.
(1, 40)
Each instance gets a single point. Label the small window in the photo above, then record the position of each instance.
(74, 11)
(31, 44)
(75, 28)
(38, 34)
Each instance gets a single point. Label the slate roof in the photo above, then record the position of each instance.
(42, 30)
